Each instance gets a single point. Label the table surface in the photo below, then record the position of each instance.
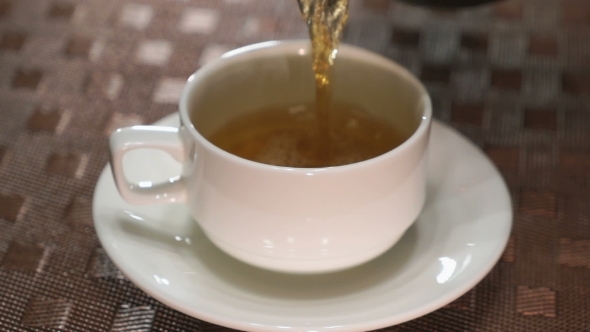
(512, 76)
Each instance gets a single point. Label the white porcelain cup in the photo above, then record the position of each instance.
(299, 220)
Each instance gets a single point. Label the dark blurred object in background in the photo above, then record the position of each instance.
(448, 3)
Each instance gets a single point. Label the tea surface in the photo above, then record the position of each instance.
(287, 136)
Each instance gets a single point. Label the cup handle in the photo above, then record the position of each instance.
(147, 137)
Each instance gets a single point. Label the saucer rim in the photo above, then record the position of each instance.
(385, 321)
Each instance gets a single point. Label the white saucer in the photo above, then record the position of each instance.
(454, 243)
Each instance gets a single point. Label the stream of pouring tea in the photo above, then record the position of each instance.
(324, 133)
(325, 20)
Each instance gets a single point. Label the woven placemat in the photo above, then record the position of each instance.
(512, 76)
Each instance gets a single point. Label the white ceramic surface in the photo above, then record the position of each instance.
(303, 220)
(457, 239)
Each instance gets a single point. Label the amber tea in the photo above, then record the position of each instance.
(319, 134)
(287, 136)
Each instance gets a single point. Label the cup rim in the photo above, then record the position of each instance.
(293, 46)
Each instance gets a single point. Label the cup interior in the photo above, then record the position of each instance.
(280, 74)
